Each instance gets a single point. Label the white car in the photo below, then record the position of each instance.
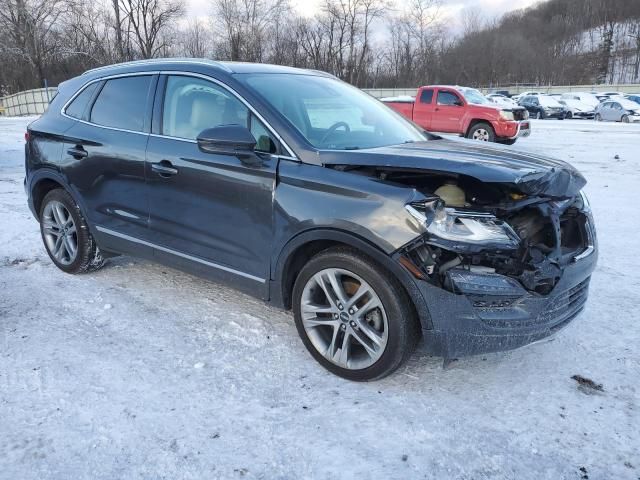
(583, 97)
(618, 109)
(576, 108)
(501, 100)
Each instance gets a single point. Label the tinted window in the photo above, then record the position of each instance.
(447, 98)
(122, 103)
(192, 105)
(77, 108)
(426, 96)
(264, 140)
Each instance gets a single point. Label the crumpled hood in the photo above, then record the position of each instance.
(531, 174)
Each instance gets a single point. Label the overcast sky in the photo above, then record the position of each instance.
(452, 8)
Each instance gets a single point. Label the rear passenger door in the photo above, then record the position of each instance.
(209, 212)
(423, 108)
(105, 157)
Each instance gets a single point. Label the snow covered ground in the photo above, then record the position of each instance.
(140, 371)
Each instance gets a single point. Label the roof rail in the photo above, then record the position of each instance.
(153, 61)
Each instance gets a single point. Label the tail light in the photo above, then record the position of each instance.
(26, 136)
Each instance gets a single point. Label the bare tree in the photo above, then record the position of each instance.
(151, 21)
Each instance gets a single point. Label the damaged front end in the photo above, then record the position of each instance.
(529, 240)
(504, 247)
(520, 266)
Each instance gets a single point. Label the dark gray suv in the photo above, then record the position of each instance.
(305, 192)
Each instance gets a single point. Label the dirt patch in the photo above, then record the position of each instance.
(588, 386)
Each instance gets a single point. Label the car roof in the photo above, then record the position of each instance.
(181, 63)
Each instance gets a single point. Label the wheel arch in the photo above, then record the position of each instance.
(305, 245)
(475, 121)
(42, 182)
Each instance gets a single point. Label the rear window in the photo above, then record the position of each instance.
(122, 103)
(77, 108)
(426, 96)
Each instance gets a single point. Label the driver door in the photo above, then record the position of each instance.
(448, 112)
(211, 211)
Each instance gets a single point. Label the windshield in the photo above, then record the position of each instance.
(331, 114)
(471, 95)
(628, 104)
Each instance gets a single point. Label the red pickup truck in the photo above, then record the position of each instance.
(464, 111)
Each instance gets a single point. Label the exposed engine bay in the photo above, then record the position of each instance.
(488, 229)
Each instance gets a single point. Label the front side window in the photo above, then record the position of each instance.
(78, 107)
(192, 105)
(122, 103)
(331, 114)
(264, 140)
(447, 98)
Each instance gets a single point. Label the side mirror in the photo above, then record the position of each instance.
(233, 140)
(458, 103)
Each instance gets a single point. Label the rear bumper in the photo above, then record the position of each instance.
(468, 325)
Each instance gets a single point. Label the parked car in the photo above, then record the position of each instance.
(311, 195)
(576, 109)
(525, 94)
(543, 106)
(502, 100)
(464, 111)
(634, 97)
(504, 93)
(583, 97)
(619, 110)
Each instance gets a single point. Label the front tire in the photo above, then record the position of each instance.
(66, 235)
(625, 119)
(598, 117)
(353, 316)
(483, 132)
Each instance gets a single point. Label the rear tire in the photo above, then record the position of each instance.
(66, 236)
(483, 132)
(361, 341)
(568, 115)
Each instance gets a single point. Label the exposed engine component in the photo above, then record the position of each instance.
(451, 194)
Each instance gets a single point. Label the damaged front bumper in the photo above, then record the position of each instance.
(474, 323)
(474, 309)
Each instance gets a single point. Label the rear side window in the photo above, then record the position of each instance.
(447, 98)
(78, 108)
(122, 103)
(426, 96)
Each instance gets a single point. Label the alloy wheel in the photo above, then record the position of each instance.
(60, 233)
(344, 318)
(481, 134)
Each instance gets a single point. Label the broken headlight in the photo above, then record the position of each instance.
(459, 226)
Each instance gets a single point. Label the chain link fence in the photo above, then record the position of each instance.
(29, 102)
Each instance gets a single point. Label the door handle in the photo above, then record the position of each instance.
(437, 109)
(164, 168)
(78, 152)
